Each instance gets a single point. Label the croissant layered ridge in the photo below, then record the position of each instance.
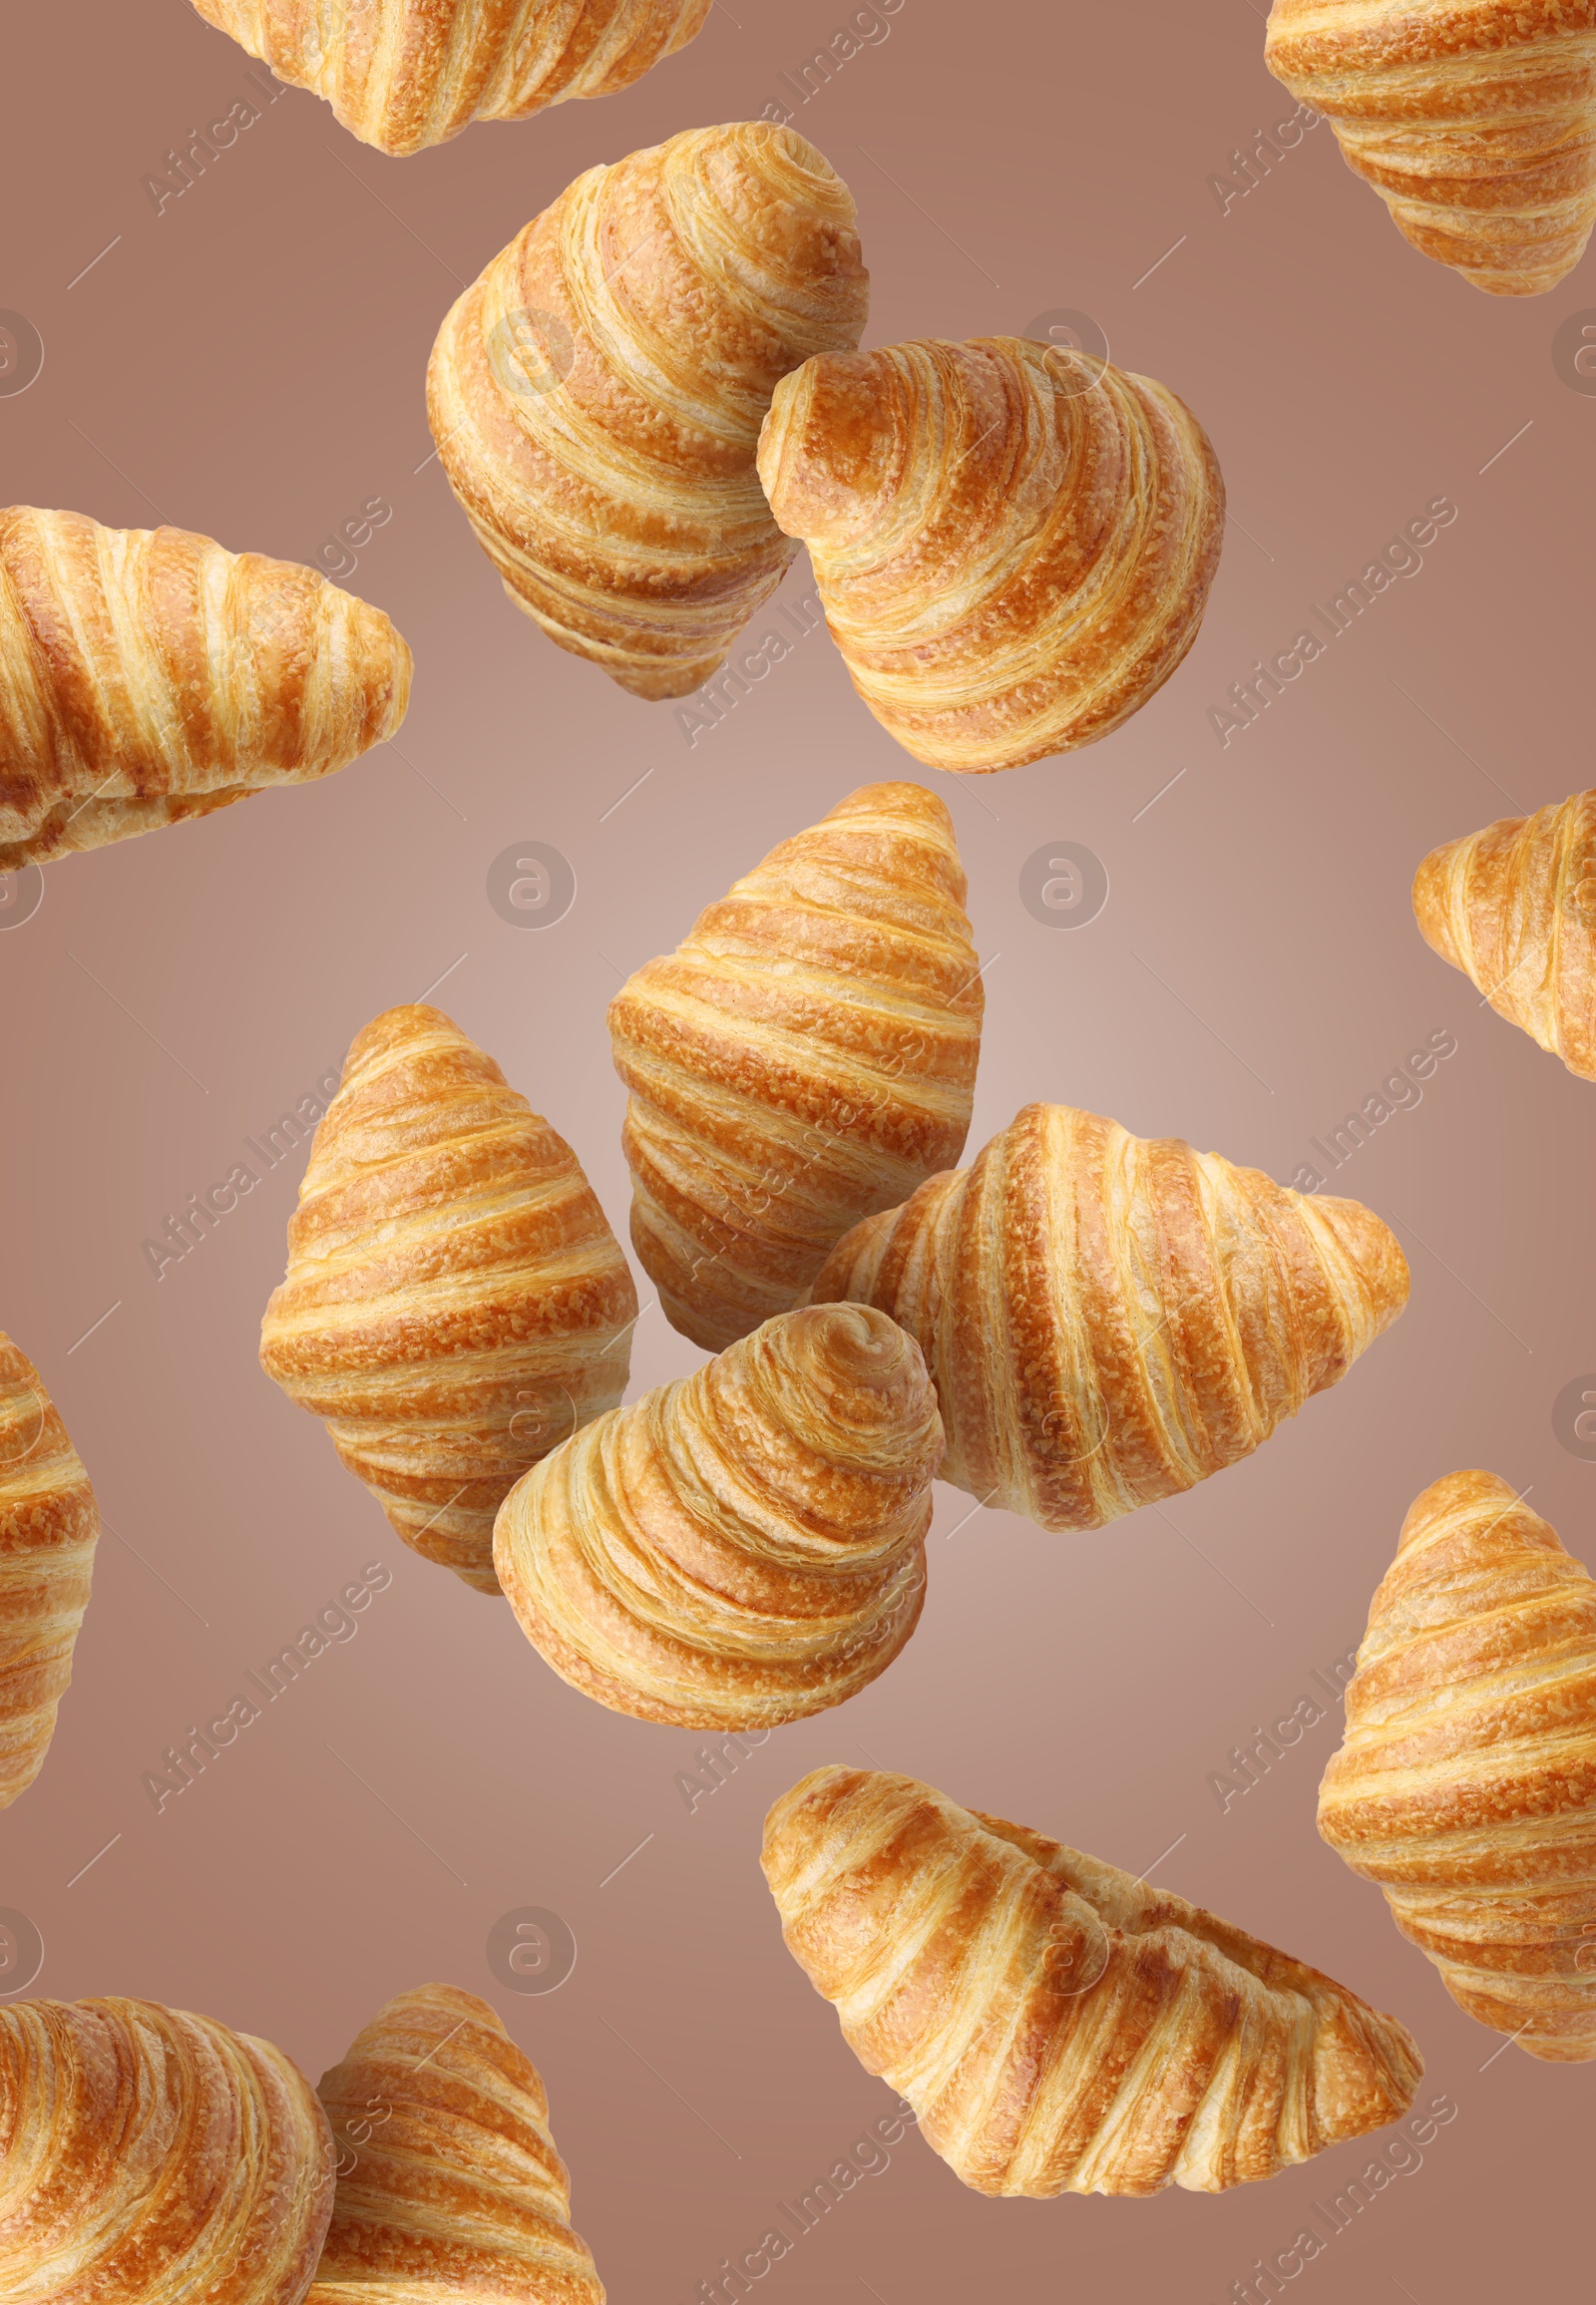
(49, 1527)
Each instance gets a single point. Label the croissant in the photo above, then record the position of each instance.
(449, 2184)
(805, 1057)
(1466, 1783)
(147, 676)
(49, 1527)
(746, 1546)
(152, 2157)
(1514, 907)
(455, 1302)
(597, 394)
(1473, 120)
(405, 73)
(1012, 546)
(1108, 1320)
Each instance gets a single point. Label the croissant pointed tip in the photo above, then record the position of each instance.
(1375, 1254)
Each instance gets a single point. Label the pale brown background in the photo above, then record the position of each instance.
(249, 363)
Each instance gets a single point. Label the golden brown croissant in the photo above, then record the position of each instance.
(807, 1055)
(449, 2184)
(455, 1302)
(1467, 1783)
(1514, 907)
(405, 73)
(1012, 546)
(746, 1546)
(147, 676)
(49, 1527)
(1475, 120)
(1056, 2025)
(597, 394)
(1108, 1319)
(152, 2157)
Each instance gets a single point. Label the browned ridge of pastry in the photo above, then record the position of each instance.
(806, 1055)
(449, 2184)
(455, 1301)
(597, 395)
(1467, 1783)
(1108, 1319)
(1013, 545)
(1056, 2025)
(49, 1527)
(152, 2157)
(1514, 907)
(147, 676)
(742, 1547)
(1473, 120)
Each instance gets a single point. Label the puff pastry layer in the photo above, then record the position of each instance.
(49, 1527)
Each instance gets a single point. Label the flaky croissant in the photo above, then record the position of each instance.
(1056, 2025)
(147, 676)
(49, 1527)
(1013, 544)
(1108, 1319)
(455, 1302)
(1473, 120)
(746, 1546)
(152, 2158)
(805, 1056)
(597, 395)
(449, 2184)
(1466, 1783)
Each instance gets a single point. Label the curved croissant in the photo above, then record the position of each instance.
(1514, 907)
(405, 73)
(147, 676)
(148, 2157)
(1013, 545)
(449, 2184)
(1467, 1783)
(1108, 1319)
(805, 1056)
(746, 1546)
(597, 394)
(455, 1302)
(1473, 120)
(1056, 2025)
(49, 1527)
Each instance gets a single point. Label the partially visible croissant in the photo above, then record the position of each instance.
(1056, 2025)
(147, 676)
(1108, 1320)
(455, 1302)
(1466, 1782)
(49, 1527)
(1013, 545)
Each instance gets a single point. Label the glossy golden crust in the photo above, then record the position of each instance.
(147, 676)
(1466, 1783)
(805, 1056)
(1475, 120)
(742, 1547)
(455, 1301)
(597, 395)
(1108, 1320)
(1057, 2026)
(1013, 545)
(49, 1527)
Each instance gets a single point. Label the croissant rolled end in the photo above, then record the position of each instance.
(1432, 909)
(824, 452)
(1377, 1257)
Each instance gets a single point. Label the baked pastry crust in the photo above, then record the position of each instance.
(49, 1527)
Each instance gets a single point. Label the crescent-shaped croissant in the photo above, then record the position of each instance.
(449, 2184)
(1473, 120)
(1056, 2025)
(746, 1546)
(455, 1302)
(806, 1056)
(597, 395)
(1108, 1319)
(1514, 907)
(49, 1527)
(152, 2158)
(147, 676)
(1013, 545)
(1466, 1783)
